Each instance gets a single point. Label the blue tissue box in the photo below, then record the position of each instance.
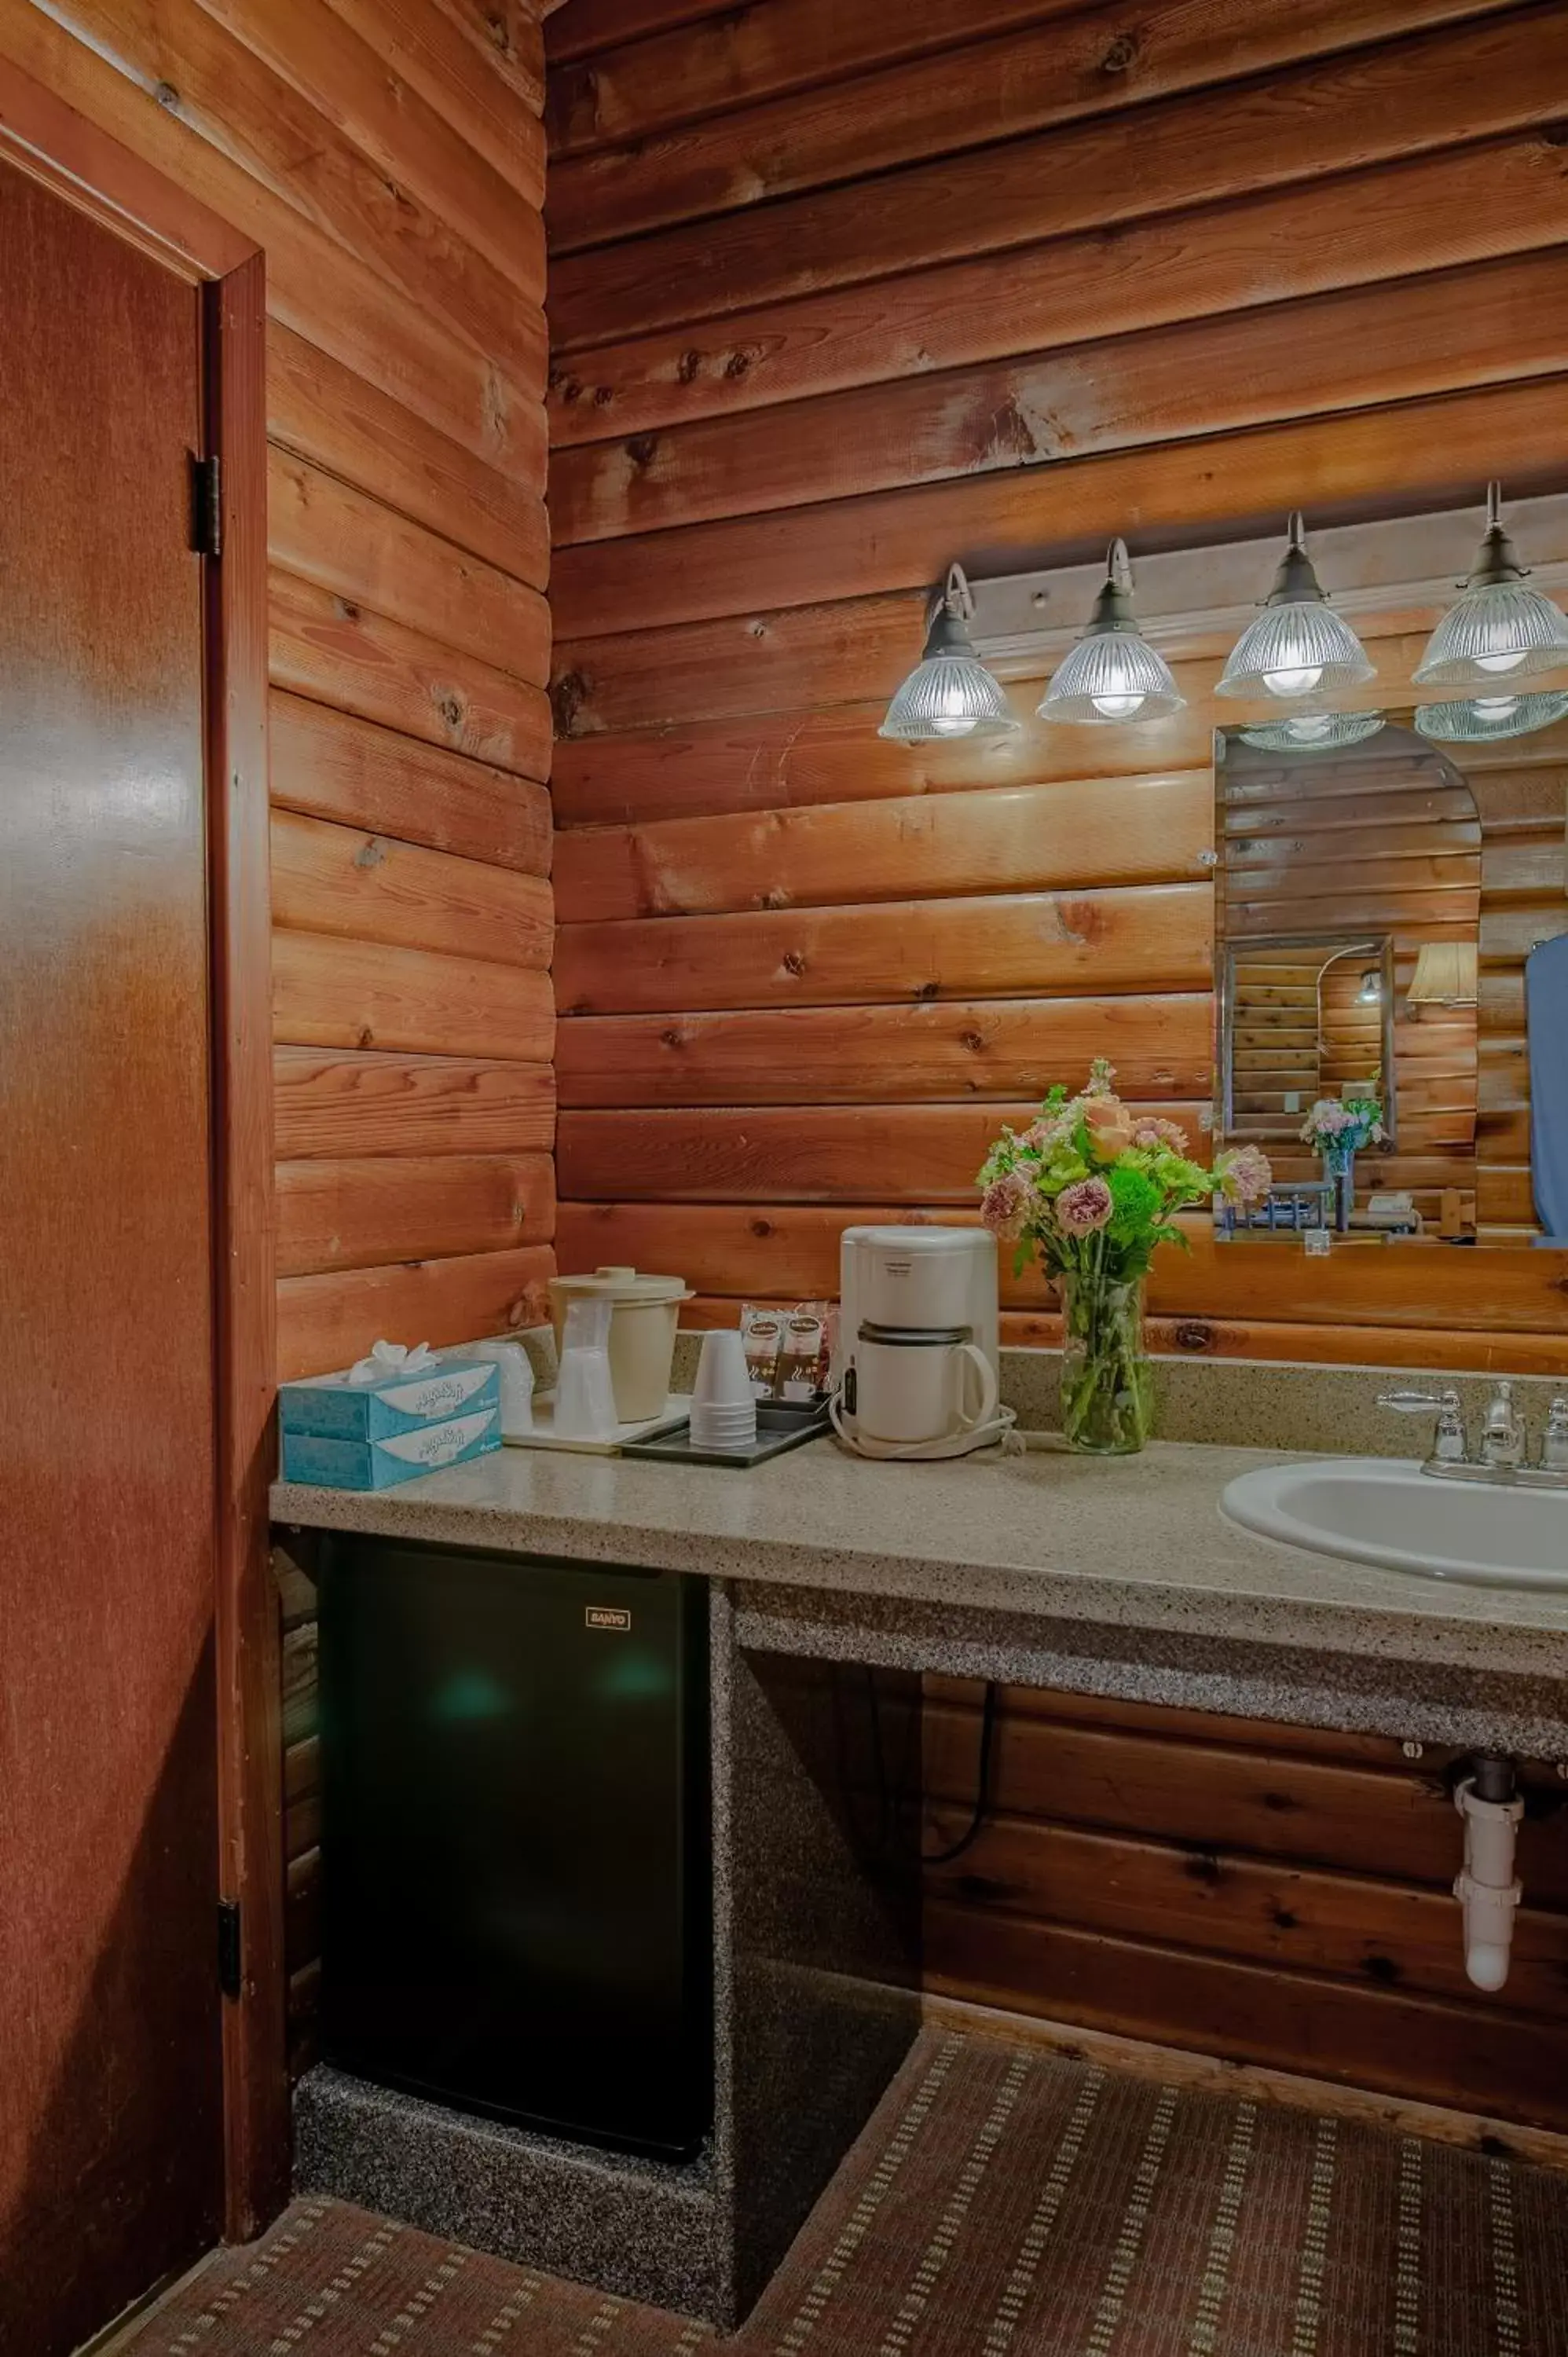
(333, 1408)
(377, 1464)
(344, 1435)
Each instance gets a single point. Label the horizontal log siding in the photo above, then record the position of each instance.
(838, 295)
(1274, 1895)
(389, 156)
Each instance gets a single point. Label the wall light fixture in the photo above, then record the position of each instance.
(1113, 673)
(1498, 628)
(1298, 645)
(950, 692)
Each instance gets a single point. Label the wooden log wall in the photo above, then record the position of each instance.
(389, 156)
(840, 295)
(1385, 837)
(1269, 1894)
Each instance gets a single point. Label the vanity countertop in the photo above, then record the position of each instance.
(1128, 1543)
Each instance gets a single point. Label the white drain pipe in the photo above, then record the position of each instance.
(1487, 1887)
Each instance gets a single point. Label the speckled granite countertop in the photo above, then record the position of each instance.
(1131, 1542)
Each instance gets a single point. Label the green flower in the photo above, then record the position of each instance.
(1136, 1202)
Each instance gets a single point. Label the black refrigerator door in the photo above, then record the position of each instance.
(515, 1887)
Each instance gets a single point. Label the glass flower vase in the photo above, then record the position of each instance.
(1107, 1390)
(1339, 1169)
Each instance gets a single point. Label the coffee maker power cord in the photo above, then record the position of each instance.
(972, 1832)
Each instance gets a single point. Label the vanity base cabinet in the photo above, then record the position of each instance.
(516, 1910)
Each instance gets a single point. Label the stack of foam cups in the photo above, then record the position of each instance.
(724, 1411)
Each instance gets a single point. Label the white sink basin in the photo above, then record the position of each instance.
(1385, 1510)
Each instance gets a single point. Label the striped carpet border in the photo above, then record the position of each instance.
(1005, 2201)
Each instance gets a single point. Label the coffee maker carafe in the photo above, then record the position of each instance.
(918, 1343)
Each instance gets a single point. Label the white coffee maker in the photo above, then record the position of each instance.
(918, 1343)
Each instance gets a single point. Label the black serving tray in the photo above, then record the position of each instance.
(780, 1424)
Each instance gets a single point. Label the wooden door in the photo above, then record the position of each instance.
(109, 2063)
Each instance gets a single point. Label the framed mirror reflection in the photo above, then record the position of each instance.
(1391, 969)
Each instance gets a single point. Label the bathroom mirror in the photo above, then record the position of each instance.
(1380, 889)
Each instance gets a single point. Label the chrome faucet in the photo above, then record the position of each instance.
(1501, 1456)
(1502, 1442)
(1449, 1446)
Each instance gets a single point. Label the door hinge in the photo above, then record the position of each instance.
(207, 506)
(228, 1968)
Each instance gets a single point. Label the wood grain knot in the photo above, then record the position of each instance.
(641, 450)
(1121, 54)
(973, 1041)
(793, 961)
(567, 696)
(1192, 1334)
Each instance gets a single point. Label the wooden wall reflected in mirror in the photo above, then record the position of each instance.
(1354, 882)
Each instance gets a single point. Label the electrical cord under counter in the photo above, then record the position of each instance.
(891, 1797)
(972, 1832)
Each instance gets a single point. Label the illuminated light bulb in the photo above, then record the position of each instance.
(1472, 722)
(950, 692)
(1113, 673)
(1498, 624)
(951, 716)
(1300, 682)
(1297, 645)
(1312, 732)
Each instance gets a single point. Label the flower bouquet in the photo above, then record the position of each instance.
(1337, 1128)
(1094, 1187)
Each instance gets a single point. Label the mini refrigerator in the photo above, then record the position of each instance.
(516, 1903)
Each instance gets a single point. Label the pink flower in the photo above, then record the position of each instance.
(1245, 1176)
(1005, 1207)
(1051, 1129)
(1102, 1072)
(1156, 1131)
(1082, 1208)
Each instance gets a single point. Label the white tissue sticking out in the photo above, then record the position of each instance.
(388, 1358)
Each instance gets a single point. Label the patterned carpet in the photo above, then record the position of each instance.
(1003, 2203)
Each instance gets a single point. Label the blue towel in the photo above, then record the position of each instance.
(1546, 1018)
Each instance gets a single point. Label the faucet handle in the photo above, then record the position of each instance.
(1554, 1440)
(1448, 1447)
(1503, 1442)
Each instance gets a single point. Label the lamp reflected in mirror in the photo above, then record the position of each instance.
(1382, 1046)
(1445, 975)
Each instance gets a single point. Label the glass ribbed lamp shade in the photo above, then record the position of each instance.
(950, 692)
(1298, 646)
(1112, 675)
(1499, 629)
(1313, 732)
(1483, 718)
